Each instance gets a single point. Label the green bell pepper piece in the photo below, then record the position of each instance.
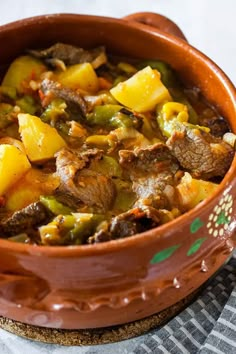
(27, 104)
(102, 115)
(54, 111)
(5, 115)
(107, 166)
(70, 229)
(111, 116)
(54, 206)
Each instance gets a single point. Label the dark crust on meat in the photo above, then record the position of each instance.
(151, 170)
(94, 189)
(200, 153)
(69, 54)
(71, 161)
(132, 222)
(151, 159)
(218, 126)
(25, 220)
(89, 187)
(67, 199)
(72, 98)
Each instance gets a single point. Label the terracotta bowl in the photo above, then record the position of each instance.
(121, 281)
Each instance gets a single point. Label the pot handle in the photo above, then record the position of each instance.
(156, 21)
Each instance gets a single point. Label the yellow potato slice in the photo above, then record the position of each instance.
(80, 76)
(192, 191)
(142, 92)
(29, 188)
(13, 165)
(41, 141)
(22, 70)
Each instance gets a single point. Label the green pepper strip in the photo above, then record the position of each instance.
(54, 206)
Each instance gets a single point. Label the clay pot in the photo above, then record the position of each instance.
(121, 281)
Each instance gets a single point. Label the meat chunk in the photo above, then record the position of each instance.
(68, 161)
(94, 189)
(132, 222)
(25, 220)
(71, 55)
(91, 188)
(102, 235)
(200, 153)
(74, 100)
(153, 159)
(218, 125)
(67, 199)
(152, 171)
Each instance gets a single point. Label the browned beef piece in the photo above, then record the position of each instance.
(91, 188)
(200, 153)
(25, 220)
(102, 235)
(95, 189)
(69, 161)
(130, 223)
(67, 199)
(134, 221)
(71, 55)
(152, 171)
(218, 125)
(74, 99)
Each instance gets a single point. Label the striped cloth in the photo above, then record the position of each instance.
(207, 326)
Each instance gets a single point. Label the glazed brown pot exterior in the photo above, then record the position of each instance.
(120, 281)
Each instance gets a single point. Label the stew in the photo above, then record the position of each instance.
(95, 148)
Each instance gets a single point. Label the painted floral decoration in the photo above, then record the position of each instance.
(220, 218)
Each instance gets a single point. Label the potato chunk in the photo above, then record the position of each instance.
(41, 141)
(29, 188)
(193, 191)
(142, 92)
(13, 165)
(79, 76)
(22, 70)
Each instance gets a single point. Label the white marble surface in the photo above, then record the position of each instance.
(208, 24)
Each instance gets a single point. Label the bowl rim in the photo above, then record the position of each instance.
(160, 231)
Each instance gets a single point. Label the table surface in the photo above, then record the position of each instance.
(209, 25)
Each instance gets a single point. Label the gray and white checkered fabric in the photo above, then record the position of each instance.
(207, 326)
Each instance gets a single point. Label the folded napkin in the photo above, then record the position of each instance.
(207, 326)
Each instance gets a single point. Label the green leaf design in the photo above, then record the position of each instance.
(196, 225)
(164, 254)
(222, 219)
(195, 246)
